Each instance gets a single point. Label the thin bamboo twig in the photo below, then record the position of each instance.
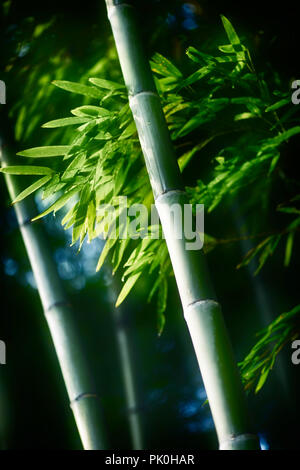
(85, 403)
(201, 310)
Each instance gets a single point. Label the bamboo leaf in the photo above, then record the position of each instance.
(230, 31)
(140, 263)
(78, 88)
(81, 214)
(277, 105)
(198, 75)
(163, 66)
(68, 121)
(289, 248)
(268, 251)
(289, 210)
(161, 321)
(227, 49)
(47, 151)
(241, 116)
(53, 186)
(199, 57)
(33, 187)
(119, 252)
(59, 203)
(274, 163)
(127, 288)
(194, 122)
(76, 165)
(253, 252)
(108, 245)
(162, 304)
(90, 111)
(129, 131)
(106, 84)
(262, 380)
(91, 217)
(26, 170)
(69, 216)
(279, 139)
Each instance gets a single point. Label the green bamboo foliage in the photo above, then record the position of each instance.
(84, 401)
(201, 309)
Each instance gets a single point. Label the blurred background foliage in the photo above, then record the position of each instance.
(69, 41)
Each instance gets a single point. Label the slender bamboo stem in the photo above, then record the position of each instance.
(85, 403)
(201, 310)
(128, 376)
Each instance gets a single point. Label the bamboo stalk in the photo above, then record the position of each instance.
(127, 372)
(201, 309)
(85, 403)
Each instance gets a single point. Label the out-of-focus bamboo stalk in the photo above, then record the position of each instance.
(85, 403)
(128, 373)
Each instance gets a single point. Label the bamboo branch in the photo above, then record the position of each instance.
(85, 403)
(201, 310)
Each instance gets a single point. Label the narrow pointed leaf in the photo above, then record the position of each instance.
(262, 380)
(91, 111)
(33, 187)
(47, 151)
(163, 66)
(289, 248)
(127, 288)
(61, 201)
(68, 121)
(106, 84)
(26, 170)
(78, 88)
(230, 31)
(277, 105)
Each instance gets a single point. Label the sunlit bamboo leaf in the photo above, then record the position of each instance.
(78, 88)
(127, 288)
(59, 203)
(44, 152)
(32, 188)
(26, 170)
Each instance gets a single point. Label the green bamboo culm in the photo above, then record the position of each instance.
(85, 403)
(201, 309)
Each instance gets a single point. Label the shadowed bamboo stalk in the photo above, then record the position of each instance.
(201, 309)
(127, 371)
(85, 403)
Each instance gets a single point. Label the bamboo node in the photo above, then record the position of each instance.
(83, 395)
(57, 304)
(203, 302)
(170, 192)
(235, 442)
(141, 93)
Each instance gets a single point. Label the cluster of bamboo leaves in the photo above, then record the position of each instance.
(223, 99)
(258, 363)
